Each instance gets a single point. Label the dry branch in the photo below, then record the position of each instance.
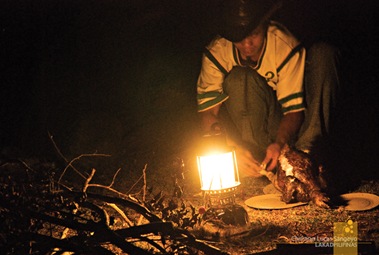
(46, 220)
(70, 164)
(122, 214)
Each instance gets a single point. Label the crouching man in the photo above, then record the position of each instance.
(275, 91)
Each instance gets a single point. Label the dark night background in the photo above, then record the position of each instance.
(118, 76)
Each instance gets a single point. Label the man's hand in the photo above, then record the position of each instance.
(288, 128)
(272, 156)
(208, 118)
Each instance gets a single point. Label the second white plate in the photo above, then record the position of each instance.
(360, 201)
(270, 201)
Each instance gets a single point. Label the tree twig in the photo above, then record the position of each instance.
(123, 215)
(109, 187)
(114, 177)
(144, 184)
(86, 183)
(56, 147)
(140, 178)
(70, 164)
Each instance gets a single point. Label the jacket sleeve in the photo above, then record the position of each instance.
(290, 85)
(216, 63)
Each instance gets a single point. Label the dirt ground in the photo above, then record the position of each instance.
(269, 228)
(266, 232)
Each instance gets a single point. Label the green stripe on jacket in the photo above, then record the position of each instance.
(290, 97)
(293, 107)
(217, 100)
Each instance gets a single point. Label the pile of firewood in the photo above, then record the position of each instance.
(40, 215)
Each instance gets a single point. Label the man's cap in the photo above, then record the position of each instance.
(241, 17)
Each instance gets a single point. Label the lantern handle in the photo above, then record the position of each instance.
(216, 129)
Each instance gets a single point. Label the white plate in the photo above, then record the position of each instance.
(270, 201)
(360, 201)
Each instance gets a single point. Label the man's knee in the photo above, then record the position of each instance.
(240, 77)
(322, 52)
(235, 80)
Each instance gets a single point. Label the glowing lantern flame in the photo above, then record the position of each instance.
(218, 171)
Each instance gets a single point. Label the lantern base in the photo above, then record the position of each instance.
(232, 214)
(220, 198)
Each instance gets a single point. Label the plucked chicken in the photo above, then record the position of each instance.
(299, 178)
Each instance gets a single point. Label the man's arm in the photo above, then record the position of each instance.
(288, 128)
(209, 117)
